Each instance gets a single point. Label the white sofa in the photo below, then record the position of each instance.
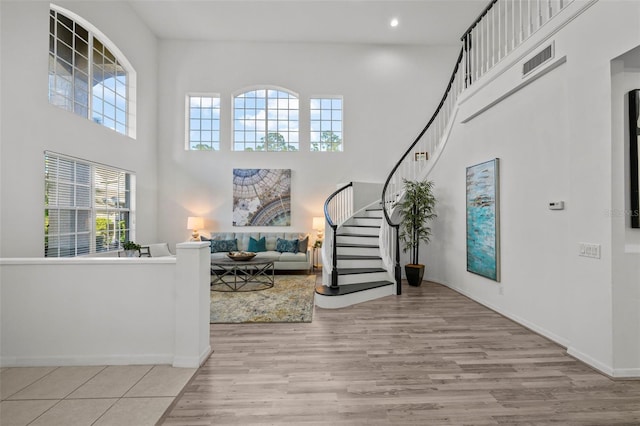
(300, 261)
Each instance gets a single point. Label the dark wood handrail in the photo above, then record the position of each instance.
(479, 18)
(328, 201)
(415, 142)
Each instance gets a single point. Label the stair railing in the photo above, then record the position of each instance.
(501, 27)
(337, 209)
(413, 164)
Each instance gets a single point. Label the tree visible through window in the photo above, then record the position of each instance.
(266, 120)
(85, 76)
(326, 124)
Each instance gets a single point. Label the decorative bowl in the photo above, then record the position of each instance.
(241, 255)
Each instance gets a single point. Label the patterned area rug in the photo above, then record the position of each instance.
(289, 300)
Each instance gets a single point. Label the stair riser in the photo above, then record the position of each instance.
(364, 221)
(358, 251)
(362, 278)
(371, 240)
(373, 213)
(369, 263)
(359, 230)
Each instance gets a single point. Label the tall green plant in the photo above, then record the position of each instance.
(417, 209)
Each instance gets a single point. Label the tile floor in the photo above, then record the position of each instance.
(125, 395)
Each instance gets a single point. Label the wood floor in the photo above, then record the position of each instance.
(428, 357)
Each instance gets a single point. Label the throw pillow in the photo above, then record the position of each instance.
(257, 245)
(303, 244)
(221, 245)
(286, 246)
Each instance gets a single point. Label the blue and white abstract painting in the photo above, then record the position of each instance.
(483, 236)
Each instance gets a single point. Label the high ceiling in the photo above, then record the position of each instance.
(422, 22)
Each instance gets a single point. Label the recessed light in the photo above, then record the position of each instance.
(394, 22)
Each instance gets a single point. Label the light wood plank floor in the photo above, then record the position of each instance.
(428, 357)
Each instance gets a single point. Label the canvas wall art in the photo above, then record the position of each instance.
(261, 197)
(483, 219)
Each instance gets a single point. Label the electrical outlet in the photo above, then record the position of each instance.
(589, 250)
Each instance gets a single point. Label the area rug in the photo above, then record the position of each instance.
(289, 300)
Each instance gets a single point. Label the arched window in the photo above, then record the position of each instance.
(265, 119)
(87, 73)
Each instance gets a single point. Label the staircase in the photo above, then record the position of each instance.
(361, 273)
(361, 257)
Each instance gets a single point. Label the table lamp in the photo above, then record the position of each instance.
(318, 226)
(194, 223)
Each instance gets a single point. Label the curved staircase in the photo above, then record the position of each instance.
(361, 274)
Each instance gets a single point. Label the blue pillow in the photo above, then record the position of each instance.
(257, 245)
(221, 245)
(286, 246)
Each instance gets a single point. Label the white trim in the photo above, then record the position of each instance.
(530, 78)
(590, 361)
(502, 67)
(192, 361)
(75, 360)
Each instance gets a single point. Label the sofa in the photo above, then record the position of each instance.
(288, 258)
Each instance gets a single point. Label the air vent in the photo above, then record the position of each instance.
(543, 56)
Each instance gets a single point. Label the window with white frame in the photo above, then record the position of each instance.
(85, 76)
(88, 207)
(203, 122)
(326, 123)
(266, 120)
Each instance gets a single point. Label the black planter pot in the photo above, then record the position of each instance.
(414, 274)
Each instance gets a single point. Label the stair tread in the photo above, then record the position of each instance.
(357, 257)
(350, 288)
(348, 234)
(351, 271)
(362, 226)
(357, 245)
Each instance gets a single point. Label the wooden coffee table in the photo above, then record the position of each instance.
(234, 275)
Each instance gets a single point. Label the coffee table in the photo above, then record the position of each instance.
(234, 275)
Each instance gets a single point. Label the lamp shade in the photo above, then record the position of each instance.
(194, 222)
(318, 223)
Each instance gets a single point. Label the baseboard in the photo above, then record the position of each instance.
(591, 362)
(78, 360)
(337, 302)
(191, 361)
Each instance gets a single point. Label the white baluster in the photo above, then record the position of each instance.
(500, 20)
(539, 13)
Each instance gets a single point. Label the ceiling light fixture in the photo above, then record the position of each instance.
(394, 22)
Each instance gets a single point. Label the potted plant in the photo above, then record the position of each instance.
(131, 249)
(416, 210)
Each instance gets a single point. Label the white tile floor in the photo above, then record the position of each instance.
(135, 395)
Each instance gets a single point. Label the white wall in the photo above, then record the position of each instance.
(625, 240)
(554, 141)
(106, 311)
(389, 92)
(30, 125)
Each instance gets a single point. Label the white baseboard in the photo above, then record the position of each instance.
(78, 360)
(336, 302)
(590, 361)
(191, 361)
